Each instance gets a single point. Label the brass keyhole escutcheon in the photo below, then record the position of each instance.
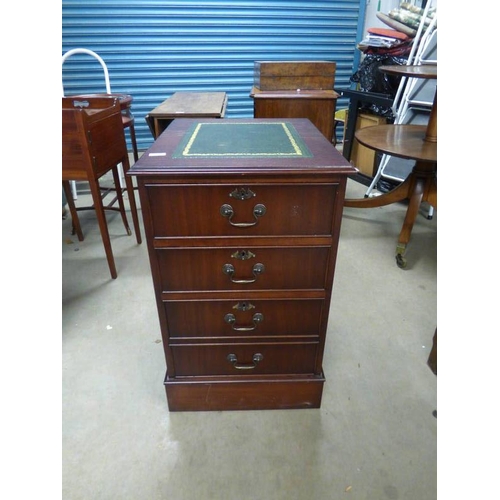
(243, 255)
(242, 193)
(243, 306)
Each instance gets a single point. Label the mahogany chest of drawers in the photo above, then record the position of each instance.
(242, 219)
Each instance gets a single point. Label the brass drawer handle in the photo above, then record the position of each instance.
(231, 319)
(256, 270)
(227, 211)
(256, 359)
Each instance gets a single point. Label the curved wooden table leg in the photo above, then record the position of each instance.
(419, 186)
(402, 192)
(412, 211)
(410, 217)
(430, 196)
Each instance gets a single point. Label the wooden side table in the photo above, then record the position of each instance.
(406, 141)
(93, 144)
(186, 105)
(316, 105)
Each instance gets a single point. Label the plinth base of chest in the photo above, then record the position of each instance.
(244, 393)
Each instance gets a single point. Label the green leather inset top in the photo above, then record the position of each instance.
(226, 139)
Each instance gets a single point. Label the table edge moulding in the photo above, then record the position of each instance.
(242, 220)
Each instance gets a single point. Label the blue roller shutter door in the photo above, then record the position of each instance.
(155, 48)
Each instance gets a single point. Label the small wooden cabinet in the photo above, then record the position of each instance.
(316, 105)
(242, 219)
(296, 89)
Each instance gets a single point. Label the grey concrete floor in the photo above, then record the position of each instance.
(373, 438)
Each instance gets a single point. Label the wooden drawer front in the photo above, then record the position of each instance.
(213, 359)
(203, 269)
(196, 210)
(243, 318)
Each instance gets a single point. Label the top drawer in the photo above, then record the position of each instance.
(241, 210)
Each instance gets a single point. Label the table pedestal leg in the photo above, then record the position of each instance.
(419, 186)
(400, 193)
(411, 214)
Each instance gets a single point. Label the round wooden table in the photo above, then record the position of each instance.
(414, 142)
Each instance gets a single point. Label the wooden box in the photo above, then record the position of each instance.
(293, 75)
(362, 157)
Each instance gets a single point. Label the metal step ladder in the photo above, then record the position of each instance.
(412, 104)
